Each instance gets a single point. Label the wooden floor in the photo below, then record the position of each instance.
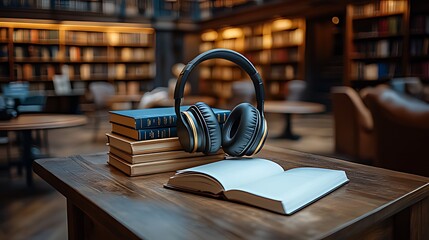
(40, 212)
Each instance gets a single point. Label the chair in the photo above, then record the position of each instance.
(101, 92)
(401, 130)
(296, 90)
(353, 125)
(408, 85)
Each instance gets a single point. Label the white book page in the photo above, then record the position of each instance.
(296, 187)
(232, 173)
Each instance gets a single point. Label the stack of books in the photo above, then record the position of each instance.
(144, 141)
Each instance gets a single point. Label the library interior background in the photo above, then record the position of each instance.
(342, 78)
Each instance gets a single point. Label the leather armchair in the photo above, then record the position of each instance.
(401, 130)
(353, 125)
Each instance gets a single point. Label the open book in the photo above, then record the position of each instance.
(259, 182)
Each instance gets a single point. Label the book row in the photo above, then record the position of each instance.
(108, 7)
(122, 54)
(34, 71)
(419, 24)
(112, 38)
(35, 35)
(420, 70)
(80, 53)
(117, 71)
(276, 72)
(287, 38)
(419, 47)
(373, 71)
(379, 7)
(32, 51)
(78, 37)
(379, 48)
(390, 26)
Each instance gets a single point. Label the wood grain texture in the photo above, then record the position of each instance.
(139, 207)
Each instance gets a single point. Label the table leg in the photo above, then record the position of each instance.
(287, 132)
(75, 221)
(27, 156)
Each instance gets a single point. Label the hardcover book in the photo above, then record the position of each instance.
(144, 134)
(259, 182)
(155, 117)
(161, 166)
(132, 146)
(156, 156)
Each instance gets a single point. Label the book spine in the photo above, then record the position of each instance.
(157, 133)
(154, 122)
(169, 121)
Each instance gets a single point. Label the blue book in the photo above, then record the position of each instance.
(155, 117)
(144, 134)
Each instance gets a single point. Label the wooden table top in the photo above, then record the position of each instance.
(139, 207)
(42, 121)
(297, 107)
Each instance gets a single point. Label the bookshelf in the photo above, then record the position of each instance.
(276, 47)
(419, 41)
(129, 8)
(35, 52)
(376, 42)
(4, 54)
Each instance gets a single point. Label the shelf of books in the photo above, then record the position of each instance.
(89, 52)
(377, 35)
(419, 42)
(4, 54)
(275, 47)
(129, 8)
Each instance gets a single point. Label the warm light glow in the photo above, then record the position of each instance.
(209, 36)
(113, 38)
(282, 24)
(232, 33)
(335, 20)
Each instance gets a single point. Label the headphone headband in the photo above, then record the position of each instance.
(226, 54)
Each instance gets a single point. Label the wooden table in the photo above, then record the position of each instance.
(26, 123)
(104, 203)
(292, 107)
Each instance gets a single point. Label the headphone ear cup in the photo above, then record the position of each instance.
(185, 134)
(240, 129)
(210, 127)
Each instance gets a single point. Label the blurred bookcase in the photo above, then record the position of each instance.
(418, 64)
(377, 39)
(276, 47)
(123, 54)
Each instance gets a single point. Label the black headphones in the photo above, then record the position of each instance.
(245, 129)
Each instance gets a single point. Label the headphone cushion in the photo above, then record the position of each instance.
(240, 129)
(213, 128)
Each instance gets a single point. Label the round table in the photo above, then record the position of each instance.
(26, 123)
(292, 107)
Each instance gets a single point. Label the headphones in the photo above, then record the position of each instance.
(244, 131)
